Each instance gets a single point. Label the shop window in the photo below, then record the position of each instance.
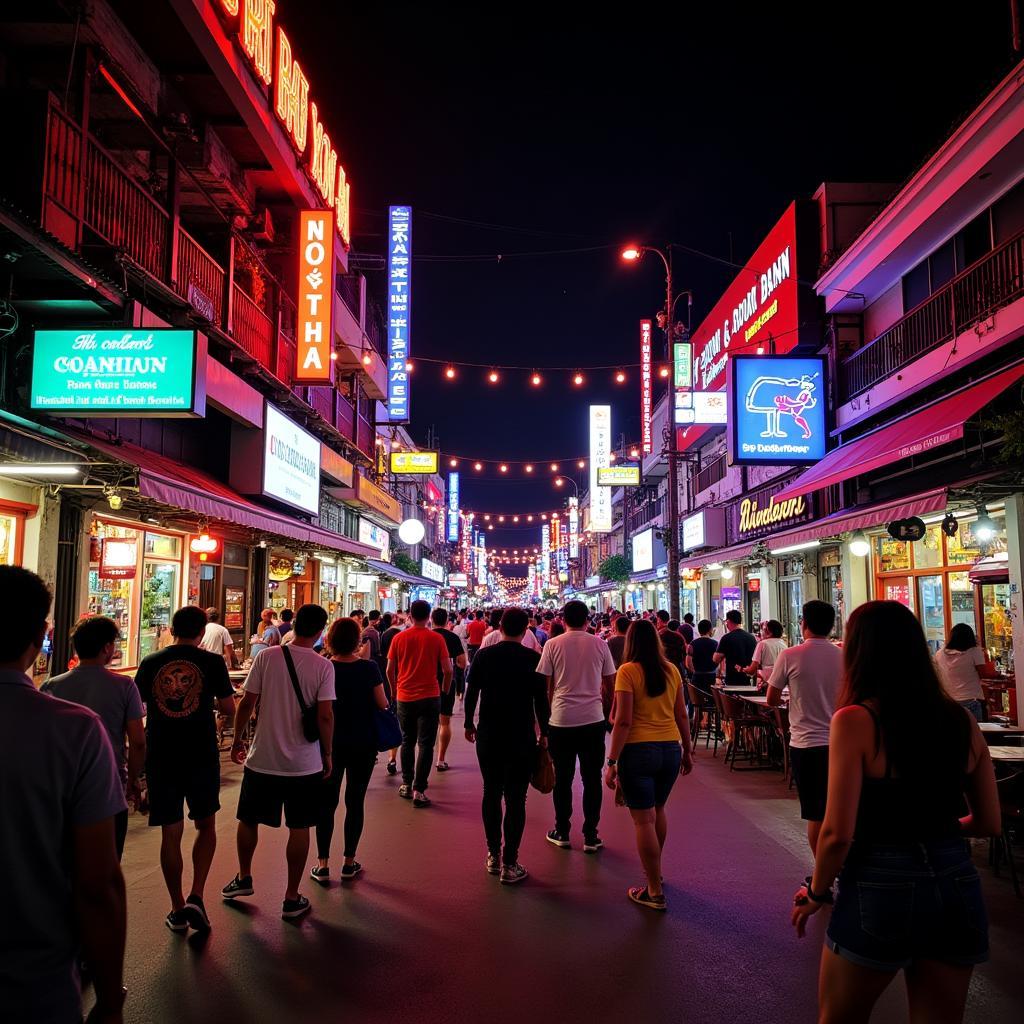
(161, 545)
(928, 551)
(10, 538)
(832, 591)
(961, 599)
(962, 548)
(931, 610)
(893, 555)
(974, 241)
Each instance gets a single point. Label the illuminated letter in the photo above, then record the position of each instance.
(323, 160)
(258, 36)
(230, 7)
(343, 207)
(292, 93)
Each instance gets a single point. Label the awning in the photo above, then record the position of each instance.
(994, 569)
(711, 556)
(180, 486)
(937, 424)
(387, 569)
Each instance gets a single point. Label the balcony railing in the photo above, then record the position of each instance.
(364, 435)
(197, 267)
(348, 289)
(322, 401)
(994, 281)
(711, 474)
(251, 327)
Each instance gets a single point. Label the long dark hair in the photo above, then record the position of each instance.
(961, 638)
(644, 648)
(887, 661)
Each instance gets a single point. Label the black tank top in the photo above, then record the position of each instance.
(899, 810)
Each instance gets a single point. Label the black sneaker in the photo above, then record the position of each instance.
(351, 870)
(392, 768)
(493, 865)
(420, 799)
(405, 792)
(237, 887)
(512, 873)
(559, 839)
(291, 909)
(177, 921)
(195, 914)
(321, 875)
(592, 844)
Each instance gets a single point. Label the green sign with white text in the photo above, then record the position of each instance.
(119, 371)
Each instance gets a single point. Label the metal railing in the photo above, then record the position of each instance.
(711, 474)
(196, 266)
(251, 327)
(348, 289)
(345, 417)
(376, 329)
(62, 175)
(995, 280)
(364, 435)
(322, 401)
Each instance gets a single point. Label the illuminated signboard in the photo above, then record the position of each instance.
(554, 546)
(702, 407)
(414, 463)
(646, 387)
(118, 558)
(376, 537)
(777, 410)
(291, 462)
(252, 23)
(117, 371)
(313, 363)
(704, 529)
(481, 567)
(600, 458)
(545, 554)
(399, 311)
(458, 580)
(431, 570)
(682, 364)
(643, 551)
(453, 508)
(574, 527)
(619, 476)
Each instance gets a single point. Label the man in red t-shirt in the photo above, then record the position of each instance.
(414, 659)
(475, 632)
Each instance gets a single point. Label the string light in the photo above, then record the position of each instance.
(620, 378)
(408, 367)
(334, 356)
(554, 467)
(503, 468)
(528, 467)
(478, 466)
(367, 359)
(578, 379)
(493, 376)
(663, 372)
(582, 463)
(453, 463)
(535, 380)
(450, 372)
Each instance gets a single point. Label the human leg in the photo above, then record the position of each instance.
(203, 848)
(171, 863)
(302, 799)
(847, 992)
(492, 771)
(516, 782)
(426, 737)
(360, 769)
(120, 831)
(648, 847)
(562, 748)
(591, 755)
(246, 840)
(408, 721)
(296, 853)
(661, 825)
(444, 737)
(330, 796)
(937, 992)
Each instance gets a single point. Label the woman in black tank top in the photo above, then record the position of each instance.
(905, 763)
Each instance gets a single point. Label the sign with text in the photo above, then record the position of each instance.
(760, 515)
(707, 408)
(458, 580)
(414, 463)
(646, 387)
(117, 371)
(777, 410)
(453, 508)
(315, 339)
(376, 537)
(618, 476)
(399, 310)
(291, 462)
(682, 365)
(119, 558)
(431, 570)
(643, 551)
(704, 529)
(600, 458)
(574, 527)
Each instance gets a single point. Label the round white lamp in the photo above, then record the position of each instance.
(860, 546)
(411, 532)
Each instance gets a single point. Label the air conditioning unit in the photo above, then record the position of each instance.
(262, 226)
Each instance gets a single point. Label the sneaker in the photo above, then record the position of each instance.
(442, 766)
(559, 839)
(195, 914)
(493, 865)
(321, 875)
(295, 908)
(351, 870)
(177, 921)
(237, 887)
(420, 799)
(405, 792)
(392, 768)
(512, 873)
(592, 845)
(639, 894)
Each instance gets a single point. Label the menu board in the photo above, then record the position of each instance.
(234, 607)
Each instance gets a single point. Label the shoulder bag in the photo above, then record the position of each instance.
(310, 718)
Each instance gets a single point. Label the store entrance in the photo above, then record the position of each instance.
(791, 594)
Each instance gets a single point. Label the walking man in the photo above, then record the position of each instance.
(284, 769)
(475, 633)
(580, 677)
(513, 708)
(813, 672)
(217, 639)
(439, 619)
(414, 659)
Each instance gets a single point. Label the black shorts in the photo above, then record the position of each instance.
(810, 772)
(262, 796)
(448, 701)
(170, 788)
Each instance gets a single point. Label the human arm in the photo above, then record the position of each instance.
(380, 698)
(620, 732)
(229, 655)
(607, 694)
(325, 720)
(777, 682)
(243, 712)
(541, 708)
(718, 657)
(393, 675)
(683, 725)
(447, 673)
(984, 818)
(689, 661)
(136, 733)
(461, 661)
(473, 694)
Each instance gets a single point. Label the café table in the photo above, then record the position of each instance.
(995, 729)
(1015, 754)
(741, 691)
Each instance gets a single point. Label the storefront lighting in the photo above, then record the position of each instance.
(263, 543)
(114, 500)
(860, 546)
(984, 527)
(630, 587)
(793, 548)
(54, 469)
(727, 573)
(411, 532)
(712, 566)
(650, 587)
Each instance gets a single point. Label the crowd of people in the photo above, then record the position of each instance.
(885, 751)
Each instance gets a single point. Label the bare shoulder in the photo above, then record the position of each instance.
(853, 720)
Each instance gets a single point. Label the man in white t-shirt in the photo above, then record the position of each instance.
(283, 768)
(217, 640)
(581, 677)
(813, 672)
(528, 641)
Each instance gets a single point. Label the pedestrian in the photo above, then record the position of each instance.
(283, 768)
(539, 631)
(389, 629)
(414, 658)
(580, 676)
(812, 671)
(513, 710)
(439, 619)
(63, 891)
(475, 632)
(735, 649)
(529, 641)
(959, 665)
(114, 697)
(266, 635)
(617, 641)
(359, 691)
(179, 686)
(906, 761)
(285, 624)
(686, 628)
(700, 657)
(370, 636)
(217, 640)
(673, 644)
(766, 653)
(649, 747)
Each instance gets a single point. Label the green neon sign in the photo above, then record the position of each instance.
(119, 371)
(683, 364)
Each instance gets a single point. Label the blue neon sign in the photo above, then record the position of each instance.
(399, 310)
(453, 507)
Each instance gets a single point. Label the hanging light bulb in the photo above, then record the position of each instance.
(367, 359)
(493, 376)
(408, 367)
(611, 456)
(633, 453)
(535, 379)
(334, 356)
(453, 463)
(559, 481)
(859, 545)
(984, 528)
(503, 468)
(663, 372)
(478, 466)
(529, 468)
(554, 467)
(577, 379)
(582, 463)
(450, 372)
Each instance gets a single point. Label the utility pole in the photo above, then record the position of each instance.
(672, 533)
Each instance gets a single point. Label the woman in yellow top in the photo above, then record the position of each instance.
(650, 747)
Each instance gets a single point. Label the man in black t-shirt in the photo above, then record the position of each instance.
(736, 649)
(180, 686)
(700, 657)
(439, 618)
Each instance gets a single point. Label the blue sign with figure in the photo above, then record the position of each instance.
(777, 410)
(453, 508)
(399, 310)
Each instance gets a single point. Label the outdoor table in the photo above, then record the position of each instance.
(741, 691)
(993, 729)
(1007, 754)
(760, 700)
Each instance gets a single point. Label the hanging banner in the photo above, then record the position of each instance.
(313, 363)
(574, 527)
(646, 387)
(555, 544)
(600, 452)
(545, 555)
(399, 310)
(481, 567)
(453, 508)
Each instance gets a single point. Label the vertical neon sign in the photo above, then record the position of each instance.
(453, 508)
(399, 310)
(313, 364)
(646, 387)
(574, 527)
(600, 458)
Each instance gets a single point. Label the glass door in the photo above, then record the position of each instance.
(792, 605)
(995, 603)
(931, 610)
(961, 600)
(159, 598)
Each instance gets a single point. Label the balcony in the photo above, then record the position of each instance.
(711, 474)
(993, 282)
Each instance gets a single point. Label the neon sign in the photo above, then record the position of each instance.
(646, 387)
(453, 508)
(399, 308)
(313, 364)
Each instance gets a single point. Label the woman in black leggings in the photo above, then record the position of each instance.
(360, 689)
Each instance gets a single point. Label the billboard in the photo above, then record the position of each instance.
(618, 476)
(646, 388)
(399, 310)
(600, 458)
(291, 462)
(574, 527)
(777, 410)
(453, 508)
(643, 551)
(314, 336)
(414, 463)
(707, 408)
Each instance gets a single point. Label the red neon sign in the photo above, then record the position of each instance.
(313, 363)
(646, 387)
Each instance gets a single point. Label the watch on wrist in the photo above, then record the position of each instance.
(825, 897)
(612, 762)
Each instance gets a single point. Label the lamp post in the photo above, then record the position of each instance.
(632, 254)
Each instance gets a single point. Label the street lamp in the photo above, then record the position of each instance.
(561, 481)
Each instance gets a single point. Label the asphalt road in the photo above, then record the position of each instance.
(424, 934)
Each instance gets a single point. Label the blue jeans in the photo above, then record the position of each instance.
(916, 901)
(976, 708)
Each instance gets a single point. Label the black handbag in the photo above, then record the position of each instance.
(387, 729)
(310, 717)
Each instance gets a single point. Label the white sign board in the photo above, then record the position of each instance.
(291, 462)
(432, 570)
(643, 551)
(376, 537)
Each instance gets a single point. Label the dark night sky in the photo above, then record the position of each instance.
(579, 130)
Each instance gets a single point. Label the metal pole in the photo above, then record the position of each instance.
(672, 533)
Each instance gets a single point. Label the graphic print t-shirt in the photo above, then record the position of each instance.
(179, 686)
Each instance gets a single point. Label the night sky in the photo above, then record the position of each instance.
(522, 128)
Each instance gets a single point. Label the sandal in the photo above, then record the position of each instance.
(442, 766)
(639, 894)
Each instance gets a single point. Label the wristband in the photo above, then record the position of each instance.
(826, 897)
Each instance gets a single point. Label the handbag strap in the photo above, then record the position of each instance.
(293, 676)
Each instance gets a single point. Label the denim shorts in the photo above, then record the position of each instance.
(647, 773)
(901, 903)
